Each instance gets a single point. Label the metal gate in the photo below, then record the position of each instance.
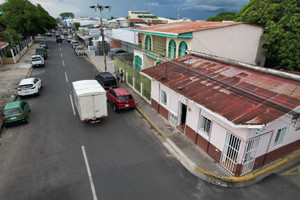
(249, 158)
(230, 152)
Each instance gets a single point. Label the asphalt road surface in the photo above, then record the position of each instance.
(56, 156)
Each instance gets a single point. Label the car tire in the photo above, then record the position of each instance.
(39, 92)
(26, 120)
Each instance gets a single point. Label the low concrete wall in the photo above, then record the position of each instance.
(24, 51)
(18, 56)
(8, 60)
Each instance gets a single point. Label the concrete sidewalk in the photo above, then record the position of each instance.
(190, 155)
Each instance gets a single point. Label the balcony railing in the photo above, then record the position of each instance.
(155, 53)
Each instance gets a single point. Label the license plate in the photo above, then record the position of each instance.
(126, 105)
(13, 118)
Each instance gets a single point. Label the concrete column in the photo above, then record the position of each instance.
(133, 82)
(12, 53)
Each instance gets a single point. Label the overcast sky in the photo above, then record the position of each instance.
(193, 9)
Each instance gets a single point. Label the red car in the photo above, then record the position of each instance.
(120, 98)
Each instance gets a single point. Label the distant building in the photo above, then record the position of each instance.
(244, 117)
(149, 18)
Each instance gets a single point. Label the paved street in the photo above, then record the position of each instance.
(56, 156)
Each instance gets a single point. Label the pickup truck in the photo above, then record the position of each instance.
(37, 60)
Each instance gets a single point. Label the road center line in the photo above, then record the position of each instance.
(89, 173)
(63, 63)
(74, 113)
(61, 54)
(59, 48)
(66, 77)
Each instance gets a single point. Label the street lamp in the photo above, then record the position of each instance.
(101, 28)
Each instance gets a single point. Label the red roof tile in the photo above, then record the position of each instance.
(241, 95)
(186, 27)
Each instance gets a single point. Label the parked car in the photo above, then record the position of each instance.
(120, 98)
(65, 33)
(75, 44)
(107, 80)
(14, 112)
(37, 61)
(69, 39)
(72, 41)
(29, 86)
(48, 34)
(44, 45)
(42, 52)
(79, 51)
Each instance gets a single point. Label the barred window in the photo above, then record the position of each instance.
(280, 136)
(205, 125)
(163, 97)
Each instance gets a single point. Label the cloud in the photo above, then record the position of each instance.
(212, 5)
(153, 4)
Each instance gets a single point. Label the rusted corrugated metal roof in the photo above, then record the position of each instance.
(186, 27)
(241, 95)
(3, 44)
(137, 21)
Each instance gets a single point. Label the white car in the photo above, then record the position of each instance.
(37, 60)
(29, 86)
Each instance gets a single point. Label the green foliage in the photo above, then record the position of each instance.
(26, 18)
(66, 15)
(76, 25)
(111, 18)
(281, 20)
(227, 16)
(4, 36)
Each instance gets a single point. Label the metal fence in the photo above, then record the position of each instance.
(18, 48)
(138, 82)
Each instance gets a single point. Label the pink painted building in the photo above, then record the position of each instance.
(243, 116)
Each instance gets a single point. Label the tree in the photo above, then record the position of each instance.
(281, 20)
(26, 18)
(9, 34)
(229, 16)
(66, 15)
(76, 25)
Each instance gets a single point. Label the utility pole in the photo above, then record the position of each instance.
(101, 29)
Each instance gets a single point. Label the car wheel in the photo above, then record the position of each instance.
(114, 107)
(26, 120)
(39, 92)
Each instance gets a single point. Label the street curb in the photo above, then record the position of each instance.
(208, 175)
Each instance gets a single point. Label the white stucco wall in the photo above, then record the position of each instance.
(268, 135)
(238, 42)
(125, 35)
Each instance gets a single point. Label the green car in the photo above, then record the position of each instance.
(15, 111)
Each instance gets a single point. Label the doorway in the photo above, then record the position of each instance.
(181, 126)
